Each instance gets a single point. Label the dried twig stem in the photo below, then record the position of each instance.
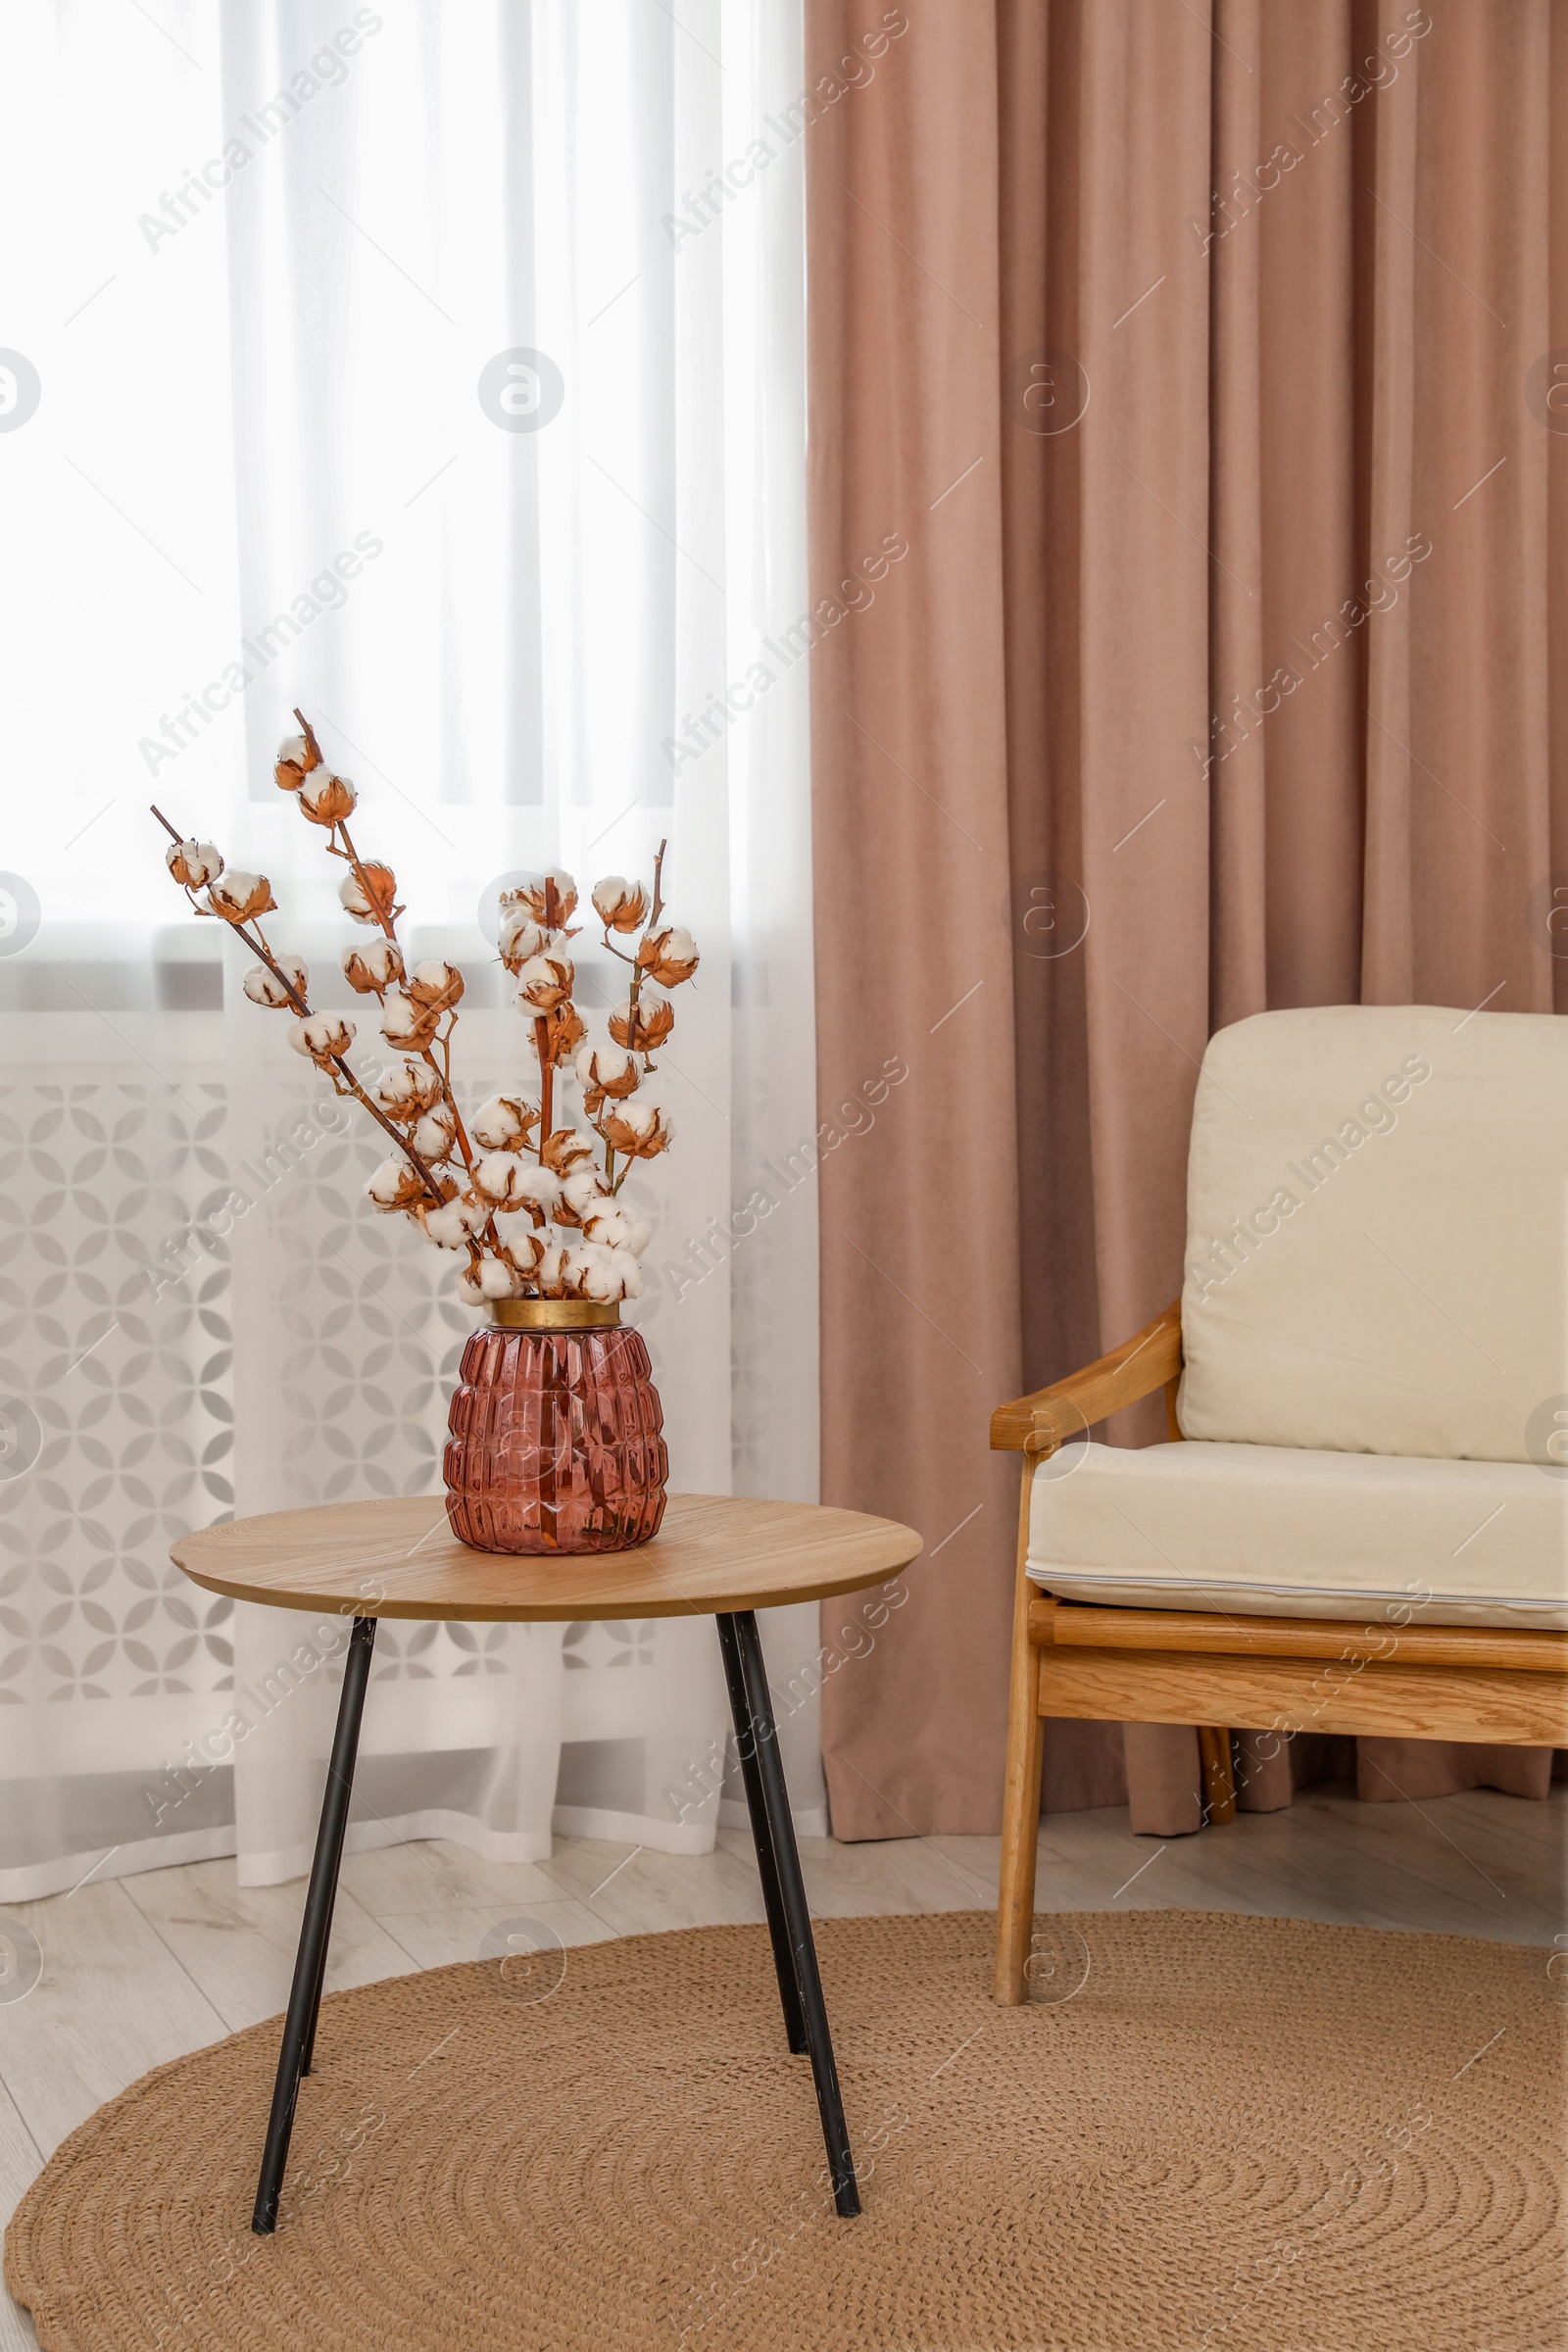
(258, 946)
(548, 1029)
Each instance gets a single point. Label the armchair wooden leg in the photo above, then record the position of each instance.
(1219, 1773)
(1020, 1803)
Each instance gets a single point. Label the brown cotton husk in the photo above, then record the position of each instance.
(377, 886)
(642, 1027)
(565, 1149)
(435, 985)
(662, 961)
(563, 1034)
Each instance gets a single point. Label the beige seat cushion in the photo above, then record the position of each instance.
(1378, 1234)
(1276, 1531)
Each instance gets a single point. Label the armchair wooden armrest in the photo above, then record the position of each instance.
(1150, 1360)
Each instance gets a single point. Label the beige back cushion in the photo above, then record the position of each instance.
(1377, 1233)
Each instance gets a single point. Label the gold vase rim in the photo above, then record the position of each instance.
(555, 1314)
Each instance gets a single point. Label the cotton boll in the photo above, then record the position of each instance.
(435, 1136)
(501, 1179)
(505, 1122)
(620, 904)
(238, 896)
(321, 1036)
(559, 902)
(585, 1273)
(641, 1129)
(628, 1273)
(596, 1272)
(563, 1034)
(519, 937)
(396, 1184)
(638, 1235)
(372, 967)
(646, 1028)
(497, 1281)
(606, 1226)
(193, 862)
(373, 900)
(545, 982)
(525, 1247)
(327, 798)
(293, 763)
(566, 1151)
(540, 1185)
(262, 987)
(409, 1090)
(451, 1225)
(668, 957)
(404, 1023)
(603, 1070)
(581, 1190)
(436, 985)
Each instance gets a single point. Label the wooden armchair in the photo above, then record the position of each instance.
(1227, 1663)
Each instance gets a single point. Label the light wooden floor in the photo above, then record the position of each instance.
(138, 1970)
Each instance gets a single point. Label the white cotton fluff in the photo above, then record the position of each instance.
(381, 959)
(388, 1184)
(498, 1125)
(581, 1190)
(543, 981)
(322, 1034)
(500, 1179)
(265, 988)
(193, 862)
(588, 1270)
(447, 1227)
(519, 937)
(628, 1273)
(436, 1135)
(322, 786)
(607, 1227)
(536, 1183)
(404, 1023)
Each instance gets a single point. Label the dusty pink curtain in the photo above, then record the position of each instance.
(1201, 360)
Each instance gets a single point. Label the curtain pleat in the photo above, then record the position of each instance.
(919, 1260)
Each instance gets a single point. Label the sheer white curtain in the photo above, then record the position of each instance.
(391, 361)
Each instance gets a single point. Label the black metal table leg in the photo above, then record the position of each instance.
(308, 2054)
(757, 1730)
(310, 1965)
(789, 1991)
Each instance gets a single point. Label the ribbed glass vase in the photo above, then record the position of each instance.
(556, 1443)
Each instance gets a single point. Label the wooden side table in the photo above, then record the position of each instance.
(713, 1556)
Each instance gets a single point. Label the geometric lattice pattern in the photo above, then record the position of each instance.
(117, 1339)
(132, 1427)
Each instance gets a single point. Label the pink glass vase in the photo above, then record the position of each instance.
(555, 1444)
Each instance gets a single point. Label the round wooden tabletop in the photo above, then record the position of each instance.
(401, 1560)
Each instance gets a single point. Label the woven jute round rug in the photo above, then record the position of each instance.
(1212, 2131)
